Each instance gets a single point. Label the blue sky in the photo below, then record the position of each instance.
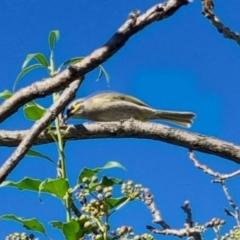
(181, 63)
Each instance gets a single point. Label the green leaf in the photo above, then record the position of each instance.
(56, 187)
(24, 72)
(113, 164)
(108, 182)
(102, 72)
(33, 111)
(37, 56)
(56, 224)
(6, 94)
(53, 38)
(72, 230)
(24, 184)
(33, 153)
(114, 202)
(87, 172)
(30, 224)
(70, 62)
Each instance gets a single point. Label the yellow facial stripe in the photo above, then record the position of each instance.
(76, 108)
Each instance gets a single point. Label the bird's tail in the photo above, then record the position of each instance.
(180, 118)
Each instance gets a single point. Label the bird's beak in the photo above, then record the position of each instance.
(67, 115)
(71, 111)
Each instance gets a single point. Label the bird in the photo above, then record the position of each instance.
(114, 106)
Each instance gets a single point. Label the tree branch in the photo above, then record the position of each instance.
(40, 125)
(134, 129)
(134, 24)
(207, 11)
(220, 177)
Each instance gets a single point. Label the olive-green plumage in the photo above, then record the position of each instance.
(112, 106)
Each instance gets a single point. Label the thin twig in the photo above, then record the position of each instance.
(75, 209)
(157, 217)
(207, 11)
(196, 233)
(231, 203)
(187, 209)
(219, 176)
(189, 229)
(208, 6)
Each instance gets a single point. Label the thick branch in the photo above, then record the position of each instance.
(40, 125)
(133, 25)
(135, 129)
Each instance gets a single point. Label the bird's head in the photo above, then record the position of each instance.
(75, 109)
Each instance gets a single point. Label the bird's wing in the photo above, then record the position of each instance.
(122, 97)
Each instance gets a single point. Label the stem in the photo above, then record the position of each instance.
(61, 148)
(105, 234)
(60, 144)
(52, 65)
(102, 227)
